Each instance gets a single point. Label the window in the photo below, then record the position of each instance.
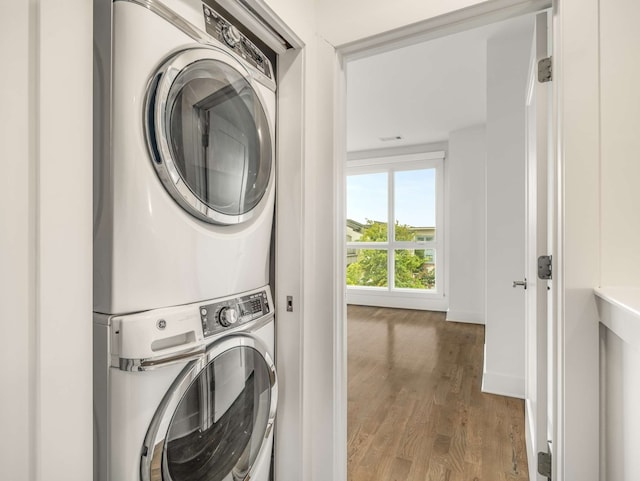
(394, 225)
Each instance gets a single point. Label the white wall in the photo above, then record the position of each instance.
(17, 275)
(576, 93)
(45, 241)
(620, 142)
(507, 68)
(466, 165)
(288, 275)
(308, 435)
(620, 229)
(59, 37)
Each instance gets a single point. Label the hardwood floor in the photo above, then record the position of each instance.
(415, 410)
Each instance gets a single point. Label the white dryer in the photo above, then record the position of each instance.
(184, 162)
(186, 393)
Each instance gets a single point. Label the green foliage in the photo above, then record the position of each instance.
(369, 270)
(374, 232)
(413, 269)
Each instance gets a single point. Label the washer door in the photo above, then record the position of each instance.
(213, 423)
(209, 136)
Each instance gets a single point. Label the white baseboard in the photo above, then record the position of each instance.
(401, 302)
(502, 384)
(469, 317)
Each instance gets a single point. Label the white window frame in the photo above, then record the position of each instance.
(390, 296)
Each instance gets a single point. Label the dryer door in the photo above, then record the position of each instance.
(209, 136)
(217, 417)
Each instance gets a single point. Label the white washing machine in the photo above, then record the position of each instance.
(186, 393)
(184, 157)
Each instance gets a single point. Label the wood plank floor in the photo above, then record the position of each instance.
(415, 410)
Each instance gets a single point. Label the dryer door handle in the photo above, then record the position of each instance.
(150, 364)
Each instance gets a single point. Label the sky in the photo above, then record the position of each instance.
(414, 197)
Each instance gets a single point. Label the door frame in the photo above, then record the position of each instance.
(576, 450)
(538, 317)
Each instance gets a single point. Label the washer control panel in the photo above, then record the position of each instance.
(221, 29)
(234, 311)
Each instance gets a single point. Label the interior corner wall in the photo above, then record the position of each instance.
(620, 390)
(619, 43)
(620, 142)
(46, 241)
(466, 165)
(507, 70)
(16, 247)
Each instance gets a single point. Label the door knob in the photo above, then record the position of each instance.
(520, 283)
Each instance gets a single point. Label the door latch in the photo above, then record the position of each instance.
(544, 267)
(520, 283)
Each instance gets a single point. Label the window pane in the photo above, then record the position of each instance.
(415, 205)
(415, 269)
(367, 267)
(367, 207)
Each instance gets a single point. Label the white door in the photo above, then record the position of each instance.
(538, 235)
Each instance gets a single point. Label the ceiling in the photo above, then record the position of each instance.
(421, 92)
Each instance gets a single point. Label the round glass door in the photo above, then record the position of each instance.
(209, 136)
(214, 425)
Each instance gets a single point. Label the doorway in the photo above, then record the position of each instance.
(476, 213)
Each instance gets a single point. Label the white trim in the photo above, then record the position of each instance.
(468, 317)
(390, 165)
(497, 383)
(447, 24)
(478, 15)
(396, 151)
(384, 291)
(340, 313)
(575, 345)
(396, 301)
(290, 428)
(530, 440)
(397, 159)
(619, 310)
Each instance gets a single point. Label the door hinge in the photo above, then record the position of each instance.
(544, 267)
(545, 70)
(544, 464)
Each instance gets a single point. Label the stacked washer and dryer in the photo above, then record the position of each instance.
(185, 386)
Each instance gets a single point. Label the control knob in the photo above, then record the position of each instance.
(231, 35)
(227, 316)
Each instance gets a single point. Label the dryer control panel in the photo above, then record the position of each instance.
(149, 339)
(232, 312)
(221, 29)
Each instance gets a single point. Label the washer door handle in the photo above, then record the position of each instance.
(158, 362)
